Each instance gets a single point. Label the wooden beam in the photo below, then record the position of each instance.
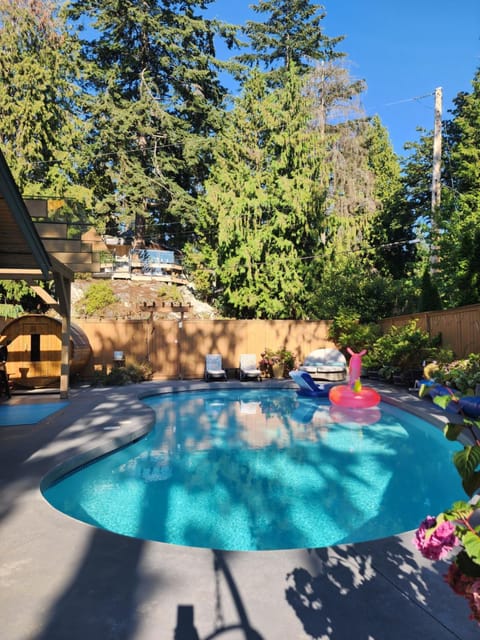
(65, 358)
(21, 274)
(44, 295)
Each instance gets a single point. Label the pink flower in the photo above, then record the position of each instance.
(439, 543)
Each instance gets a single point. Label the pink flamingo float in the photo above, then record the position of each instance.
(353, 395)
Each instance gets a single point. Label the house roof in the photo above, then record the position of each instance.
(24, 257)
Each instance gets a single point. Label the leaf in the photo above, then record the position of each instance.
(471, 542)
(458, 510)
(467, 460)
(467, 565)
(472, 483)
(452, 431)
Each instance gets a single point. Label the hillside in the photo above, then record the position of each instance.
(132, 296)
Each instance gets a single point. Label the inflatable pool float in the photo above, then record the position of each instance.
(308, 386)
(468, 405)
(344, 396)
(354, 395)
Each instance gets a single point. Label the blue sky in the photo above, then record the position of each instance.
(403, 50)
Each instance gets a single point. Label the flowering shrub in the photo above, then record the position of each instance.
(437, 536)
(458, 527)
(435, 540)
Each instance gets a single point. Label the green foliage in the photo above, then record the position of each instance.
(347, 331)
(39, 99)
(277, 41)
(12, 291)
(105, 258)
(460, 513)
(154, 100)
(467, 462)
(452, 431)
(461, 222)
(429, 297)
(98, 296)
(348, 272)
(402, 348)
(263, 203)
(351, 285)
(457, 242)
(393, 232)
(132, 372)
(271, 357)
(169, 293)
(10, 310)
(463, 374)
(21, 298)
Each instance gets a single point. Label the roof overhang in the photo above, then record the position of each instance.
(22, 254)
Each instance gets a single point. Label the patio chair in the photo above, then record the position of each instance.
(326, 364)
(248, 367)
(213, 367)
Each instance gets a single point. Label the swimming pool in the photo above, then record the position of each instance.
(251, 469)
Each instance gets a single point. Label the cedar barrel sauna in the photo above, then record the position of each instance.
(34, 352)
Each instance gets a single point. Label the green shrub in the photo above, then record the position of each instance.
(463, 375)
(98, 296)
(132, 372)
(170, 293)
(346, 331)
(401, 349)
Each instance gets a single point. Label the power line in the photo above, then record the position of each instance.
(414, 99)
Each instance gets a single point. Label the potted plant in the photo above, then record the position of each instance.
(276, 363)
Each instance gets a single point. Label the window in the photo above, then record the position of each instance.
(35, 347)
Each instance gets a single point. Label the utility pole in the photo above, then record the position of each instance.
(436, 166)
(437, 150)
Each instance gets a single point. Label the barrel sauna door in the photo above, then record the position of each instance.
(35, 356)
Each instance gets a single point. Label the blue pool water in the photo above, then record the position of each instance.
(265, 469)
(17, 414)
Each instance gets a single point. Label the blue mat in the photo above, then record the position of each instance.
(27, 413)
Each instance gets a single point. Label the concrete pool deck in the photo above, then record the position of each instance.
(61, 579)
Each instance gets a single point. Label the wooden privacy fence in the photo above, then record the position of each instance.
(177, 348)
(458, 328)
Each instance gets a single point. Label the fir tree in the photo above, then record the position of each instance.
(263, 202)
(291, 33)
(155, 103)
(42, 129)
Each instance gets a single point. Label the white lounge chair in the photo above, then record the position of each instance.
(248, 367)
(325, 364)
(213, 367)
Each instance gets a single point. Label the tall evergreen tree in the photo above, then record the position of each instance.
(264, 202)
(42, 130)
(417, 169)
(292, 33)
(344, 275)
(393, 233)
(459, 239)
(155, 103)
